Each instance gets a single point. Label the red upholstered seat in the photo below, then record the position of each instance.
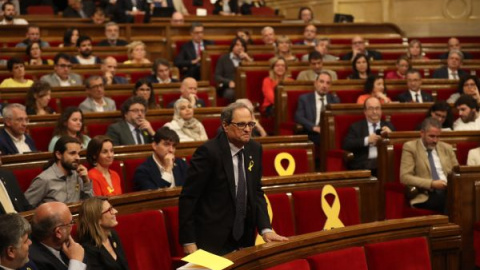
(214, 59)
(136, 75)
(211, 126)
(41, 136)
(287, 127)
(40, 10)
(406, 121)
(95, 129)
(71, 101)
(462, 151)
(309, 215)
(130, 167)
(120, 99)
(282, 222)
(299, 264)
(254, 81)
(349, 258)
(25, 176)
(156, 124)
(403, 254)
(171, 221)
(262, 11)
(349, 96)
(299, 155)
(144, 239)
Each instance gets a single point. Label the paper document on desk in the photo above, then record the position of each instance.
(202, 259)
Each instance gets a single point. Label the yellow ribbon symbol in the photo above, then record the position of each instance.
(278, 164)
(333, 212)
(250, 165)
(259, 239)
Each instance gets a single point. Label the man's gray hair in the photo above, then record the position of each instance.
(429, 123)
(90, 79)
(227, 112)
(111, 24)
(267, 28)
(458, 52)
(8, 110)
(12, 228)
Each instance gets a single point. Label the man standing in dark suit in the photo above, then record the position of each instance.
(53, 248)
(452, 70)
(222, 201)
(414, 92)
(189, 58)
(134, 128)
(359, 47)
(312, 105)
(14, 241)
(12, 198)
(362, 137)
(162, 169)
(13, 139)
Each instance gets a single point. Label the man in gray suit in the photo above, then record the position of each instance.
(62, 75)
(96, 100)
(134, 128)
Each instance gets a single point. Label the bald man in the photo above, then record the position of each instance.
(177, 18)
(454, 44)
(109, 68)
(360, 46)
(188, 90)
(53, 247)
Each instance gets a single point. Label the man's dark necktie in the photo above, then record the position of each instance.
(433, 169)
(374, 125)
(322, 108)
(241, 204)
(139, 136)
(64, 257)
(417, 99)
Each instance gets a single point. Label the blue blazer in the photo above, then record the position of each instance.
(8, 147)
(148, 176)
(306, 113)
(442, 73)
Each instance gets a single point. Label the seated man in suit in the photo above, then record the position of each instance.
(109, 69)
(363, 135)
(33, 34)
(188, 90)
(268, 35)
(134, 128)
(454, 44)
(414, 92)
(85, 57)
(468, 119)
(359, 47)
(112, 32)
(311, 105)
(12, 200)
(161, 72)
(96, 100)
(309, 34)
(426, 162)
(13, 139)
(316, 66)
(322, 46)
(162, 169)
(189, 58)
(79, 9)
(62, 75)
(14, 241)
(177, 18)
(124, 11)
(52, 246)
(452, 70)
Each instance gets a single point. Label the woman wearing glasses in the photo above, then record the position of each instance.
(103, 249)
(184, 124)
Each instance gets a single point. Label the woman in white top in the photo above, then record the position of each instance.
(184, 124)
(70, 123)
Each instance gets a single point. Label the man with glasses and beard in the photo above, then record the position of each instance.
(467, 108)
(64, 178)
(53, 248)
(62, 75)
(85, 57)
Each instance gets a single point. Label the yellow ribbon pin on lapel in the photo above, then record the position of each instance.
(290, 167)
(333, 212)
(250, 165)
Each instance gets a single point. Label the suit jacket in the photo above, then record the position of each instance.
(43, 258)
(121, 135)
(442, 73)
(184, 59)
(406, 97)
(119, 42)
(8, 147)
(225, 71)
(354, 142)
(88, 105)
(207, 201)
(121, 6)
(466, 55)
(306, 113)
(415, 168)
(218, 6)
(148, 176)
(153, 79)
(372, 55)
(119, 80)
(310, 75)
(51, 79)
(10, 183)
(88, 8)
(99, 258)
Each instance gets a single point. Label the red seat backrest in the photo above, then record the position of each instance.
(298, 264)
(348, 258)
(299, 155)
(342, 74)
(407, 121)
(130, 167)
(95, 129)
(211, 126)
(41, 136)
(292, 103)
(71, 101)
(402, 254)
(136, 75)
(25, 176)
(144, 239)
(40, 10)
(349, 96)
(342, 124)
(254, 82)
(262, 11)
(214, 60)
(462, 151)
(282, 222)
(156, 124)
(120, 99)
(309, 215)
(171, 221)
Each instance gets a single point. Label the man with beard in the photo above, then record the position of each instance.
(62, 75)
(14, 241)
(53, 247)
(134, 128)
(112, 32)
(64, 179)
(425, 164)
(467, 108)
(85, 57)
(9, 14)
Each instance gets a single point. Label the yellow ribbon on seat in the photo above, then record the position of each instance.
(290, 167)
(332, 212)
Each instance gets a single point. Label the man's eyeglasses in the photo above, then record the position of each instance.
(137, 111)
(65, 66)
(71, 223)
(243, 125)
(110, 209)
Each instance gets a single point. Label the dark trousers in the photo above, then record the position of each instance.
(436, 201)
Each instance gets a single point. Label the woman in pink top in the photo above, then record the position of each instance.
(374, 87)
(277, 74)
(403, 64)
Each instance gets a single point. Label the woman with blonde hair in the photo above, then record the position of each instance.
(96, 223)
(415, 50)
(184, 124)
(277, 74)
(284, 49)
(136, 52)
